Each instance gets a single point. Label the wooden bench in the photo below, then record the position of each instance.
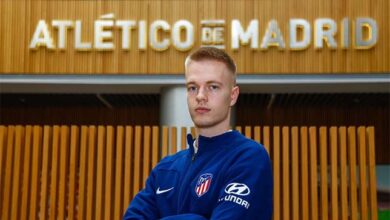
(93, 172)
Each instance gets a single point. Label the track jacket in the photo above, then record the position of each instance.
(229, 177)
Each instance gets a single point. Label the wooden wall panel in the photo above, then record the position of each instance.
(17, 170)
(73, 170)
(66, 148)
(119, 168)
(128, 170)
(18, 20)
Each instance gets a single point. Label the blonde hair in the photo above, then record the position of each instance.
(212, 53)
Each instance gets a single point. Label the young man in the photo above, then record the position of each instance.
(222, 175)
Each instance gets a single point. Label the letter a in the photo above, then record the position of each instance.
(41, 36)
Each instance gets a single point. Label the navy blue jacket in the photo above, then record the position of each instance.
(230, 177)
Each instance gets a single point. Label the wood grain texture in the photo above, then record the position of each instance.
(333, 173)
(109, 174)
(18, 20)
(79, 167)
(128, 170)
(36, 172)
(276, 171)
(83, 173)
(286, 172)
(313, 173)
(371, 172)
(295, 174)
(73, 170)
(119, 169)
(343, 172)
(304, 174)
(323, 172)
(26, 172)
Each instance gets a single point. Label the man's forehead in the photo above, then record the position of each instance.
(206, 77)
(207, 71)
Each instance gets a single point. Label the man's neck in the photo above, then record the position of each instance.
(211, 132)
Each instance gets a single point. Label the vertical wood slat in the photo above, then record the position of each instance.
(63, 172)
(155, 145)
(257, 134)
(26, 173)
(333, 172)
(276, 169)
(313, 173)
(248, 131)
(119, 165)
(352, 171)
(304, 170)
(362, 172)
(91, 186)
(73, 170)
(54, 174)
(266, 138)
(343, 172)
(238, 128)
(6, 200)
(371, 173)
(165, 141)
(100, 164)
(35, 167)
(173, 147)
(183, 138)
(295, 173)
(146, 158)
(46, 159)
(137, 155)
(83, 173)
(109, 174)
(286, 173)
(19, 142)
(128, 172)
(3, 150)
(324, 173)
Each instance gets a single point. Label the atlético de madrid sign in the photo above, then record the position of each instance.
(160, 35)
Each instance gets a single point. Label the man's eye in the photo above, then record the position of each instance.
(213, 87)
(191, 89)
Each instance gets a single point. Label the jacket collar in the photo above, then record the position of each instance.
(206, 144)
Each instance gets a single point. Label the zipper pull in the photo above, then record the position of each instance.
(195, 146)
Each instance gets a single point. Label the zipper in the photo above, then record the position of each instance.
(193, 158)
(180, 199)
(185, 182)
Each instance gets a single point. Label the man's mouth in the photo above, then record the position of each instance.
(202, 110)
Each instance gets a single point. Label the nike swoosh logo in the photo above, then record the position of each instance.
(163, 191)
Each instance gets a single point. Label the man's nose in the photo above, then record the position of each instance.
(202, 95)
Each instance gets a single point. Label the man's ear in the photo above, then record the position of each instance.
(234, 95)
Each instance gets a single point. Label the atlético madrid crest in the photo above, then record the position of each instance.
(203, 184)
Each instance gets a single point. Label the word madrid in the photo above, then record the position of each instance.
(159, 35)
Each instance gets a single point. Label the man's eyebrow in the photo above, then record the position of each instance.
(190, 83)
(212, 81)
(208, 82)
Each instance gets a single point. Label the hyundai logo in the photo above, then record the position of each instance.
(239, 189)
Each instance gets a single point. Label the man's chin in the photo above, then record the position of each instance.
(203, 124)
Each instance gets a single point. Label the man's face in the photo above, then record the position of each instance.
(210, 93)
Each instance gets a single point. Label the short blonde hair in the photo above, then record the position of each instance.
(212, 53)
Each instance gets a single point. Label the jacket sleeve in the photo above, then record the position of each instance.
(248, 189)
(144, 205)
